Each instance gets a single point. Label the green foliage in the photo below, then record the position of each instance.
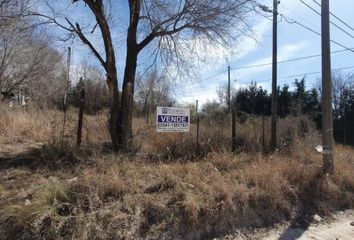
(254, 100)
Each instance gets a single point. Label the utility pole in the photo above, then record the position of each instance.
(228, 89)
(274, 77)
(65, 97)
(196, 108)
(327, 118)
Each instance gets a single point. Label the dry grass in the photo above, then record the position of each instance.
(140, 197)
(45, 126)
(32, 125)
(127, 198)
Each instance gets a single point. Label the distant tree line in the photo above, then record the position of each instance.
(343, 107)
(256, 101)
(153, 89)
(29, 64)
(92, 80)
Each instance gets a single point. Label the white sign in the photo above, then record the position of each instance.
(170, 119)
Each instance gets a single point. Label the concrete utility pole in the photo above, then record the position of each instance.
(274, 77)
(327, 118)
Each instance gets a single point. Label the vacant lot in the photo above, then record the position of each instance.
(163, 189)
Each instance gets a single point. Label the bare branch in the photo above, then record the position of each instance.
(78, 31)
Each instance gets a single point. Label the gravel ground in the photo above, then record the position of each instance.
(339, 227)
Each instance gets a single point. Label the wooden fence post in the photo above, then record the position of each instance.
(263, 135)
(197, 121)
(233, 122)
(81, 115)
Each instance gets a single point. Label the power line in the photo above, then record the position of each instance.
(304, 74)
(292, 21)
(215, 75)
(279, 62)
(268, 80)
(267, 64)
(289, 60)
(332, 14)
(302, 18)
(299, 75)
(330, 21)
(266, 9)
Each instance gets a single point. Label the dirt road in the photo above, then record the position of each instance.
(340, 227)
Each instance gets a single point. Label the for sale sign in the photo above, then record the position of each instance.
(170, 119)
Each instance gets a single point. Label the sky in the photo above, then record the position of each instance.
(294, 42)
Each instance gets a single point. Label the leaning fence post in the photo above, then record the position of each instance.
(197, 120)
(81, 115)
(233, 142)
(198, 134)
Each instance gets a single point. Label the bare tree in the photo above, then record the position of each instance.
(153, 89)
(172, 23)
(106, 59)
(25, 55)
(167, 26)
(340, 82)
(47, 88)
(96, 91)
(223, 95)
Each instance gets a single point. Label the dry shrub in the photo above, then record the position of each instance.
(35, 125)
(95, 129)
(293, 129)
(127, 197)
(29, 125)
(194, 200)
(25, 221)
(270, 191)
(93, 189)
(215, 136)
(224, 162)
(215, 133)
(167, 145)
(249, 135)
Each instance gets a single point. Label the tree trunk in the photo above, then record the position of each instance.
(129, 76)
(109, 65)
(127, 100)
(114, 117)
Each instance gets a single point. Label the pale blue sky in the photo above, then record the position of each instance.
(293, 42)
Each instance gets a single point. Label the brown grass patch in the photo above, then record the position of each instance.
(191, 196)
